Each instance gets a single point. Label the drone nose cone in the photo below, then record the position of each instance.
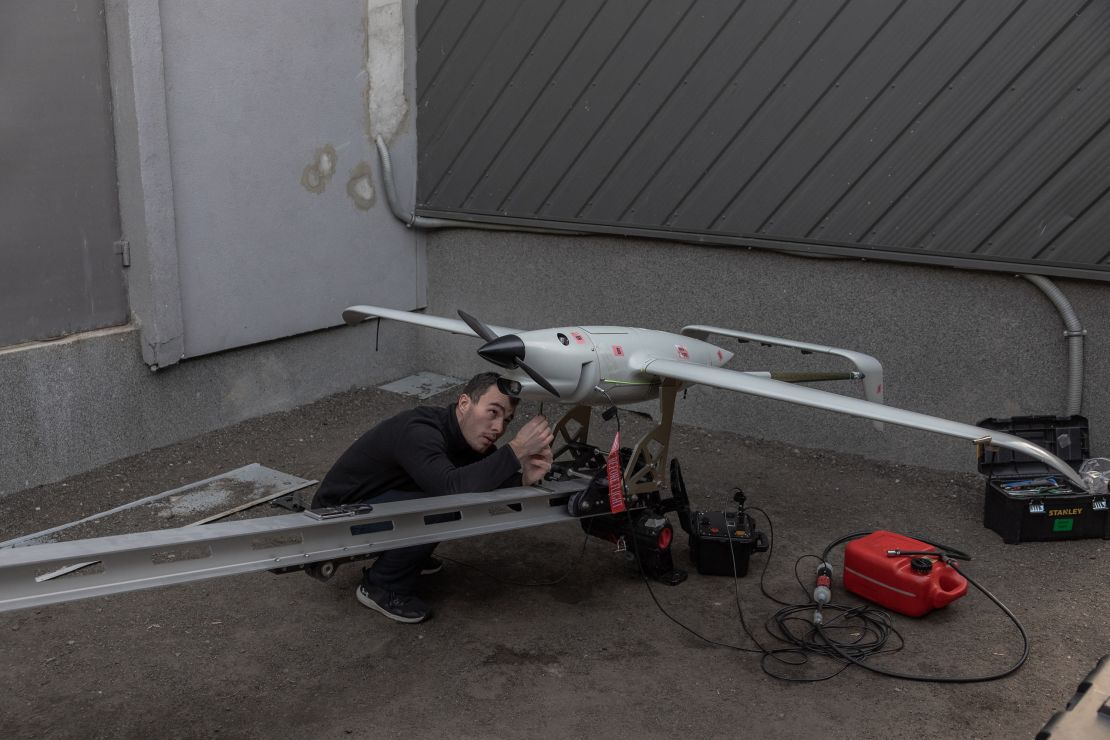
(504, 351)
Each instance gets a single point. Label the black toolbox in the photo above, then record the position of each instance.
(1029, 516)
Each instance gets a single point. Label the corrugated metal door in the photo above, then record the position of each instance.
(957, 132)
(59, 270)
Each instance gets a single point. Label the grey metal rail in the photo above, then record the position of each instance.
(38, 575)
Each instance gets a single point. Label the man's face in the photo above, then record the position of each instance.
(484, 420)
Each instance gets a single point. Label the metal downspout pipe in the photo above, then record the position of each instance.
(1074, 333)
(411, 220)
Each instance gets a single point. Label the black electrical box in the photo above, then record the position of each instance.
(720, 538)
(1027, 501)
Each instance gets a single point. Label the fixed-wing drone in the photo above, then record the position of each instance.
(614, 365)
(618, 497)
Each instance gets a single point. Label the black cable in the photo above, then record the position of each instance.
(651, 592)
(871, 630)
(871, 626)
(818, 638)
(792, 656)
(667, 614)
(846, 655)
(736, 590)
(770, 552)
(636, 554)
(780, 655)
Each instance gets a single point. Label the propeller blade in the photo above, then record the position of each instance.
(542, 381)
(479, 328)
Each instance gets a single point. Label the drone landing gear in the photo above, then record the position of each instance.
(643, 534)
(643, 531)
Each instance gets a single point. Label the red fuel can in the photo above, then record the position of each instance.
(913, 585)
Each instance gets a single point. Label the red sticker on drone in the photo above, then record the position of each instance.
(618, 351)
(683, 353)
(578, 337)
(720, 356)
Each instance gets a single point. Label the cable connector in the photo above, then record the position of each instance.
(740, 499)
(822, 593)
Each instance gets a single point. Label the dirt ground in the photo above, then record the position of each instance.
(266, 656)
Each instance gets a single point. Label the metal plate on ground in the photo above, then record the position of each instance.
(422, 385)
(178, 507)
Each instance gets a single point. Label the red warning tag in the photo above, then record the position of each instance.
(618, 350)
(683, 353)
(616, 479)
(578, 337)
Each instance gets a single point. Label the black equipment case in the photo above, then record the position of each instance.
(1029, 516)
(721, 542)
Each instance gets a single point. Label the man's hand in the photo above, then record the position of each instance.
(532, 447)
(533, 439)
(535, 468)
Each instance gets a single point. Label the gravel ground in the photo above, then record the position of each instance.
(286, 656)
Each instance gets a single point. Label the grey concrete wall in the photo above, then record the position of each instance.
(238, 255)
(59, 272)
(959, 344)
(77, 403)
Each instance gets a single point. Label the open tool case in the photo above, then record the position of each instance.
(1021, 504)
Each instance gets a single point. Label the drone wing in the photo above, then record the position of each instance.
(357, 314)
(767, 388)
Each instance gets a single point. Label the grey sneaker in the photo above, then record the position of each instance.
(409, 609)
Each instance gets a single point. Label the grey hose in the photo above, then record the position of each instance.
(1074, 333)
(390, 187)
(422, 222)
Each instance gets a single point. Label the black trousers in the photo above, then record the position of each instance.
(397, 570)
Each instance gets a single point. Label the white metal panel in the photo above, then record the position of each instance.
(270, 138)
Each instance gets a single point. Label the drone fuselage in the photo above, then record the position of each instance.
(578, 360)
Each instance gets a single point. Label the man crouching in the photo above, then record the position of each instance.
(433, 451)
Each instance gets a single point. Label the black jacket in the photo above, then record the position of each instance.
(418, 450)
